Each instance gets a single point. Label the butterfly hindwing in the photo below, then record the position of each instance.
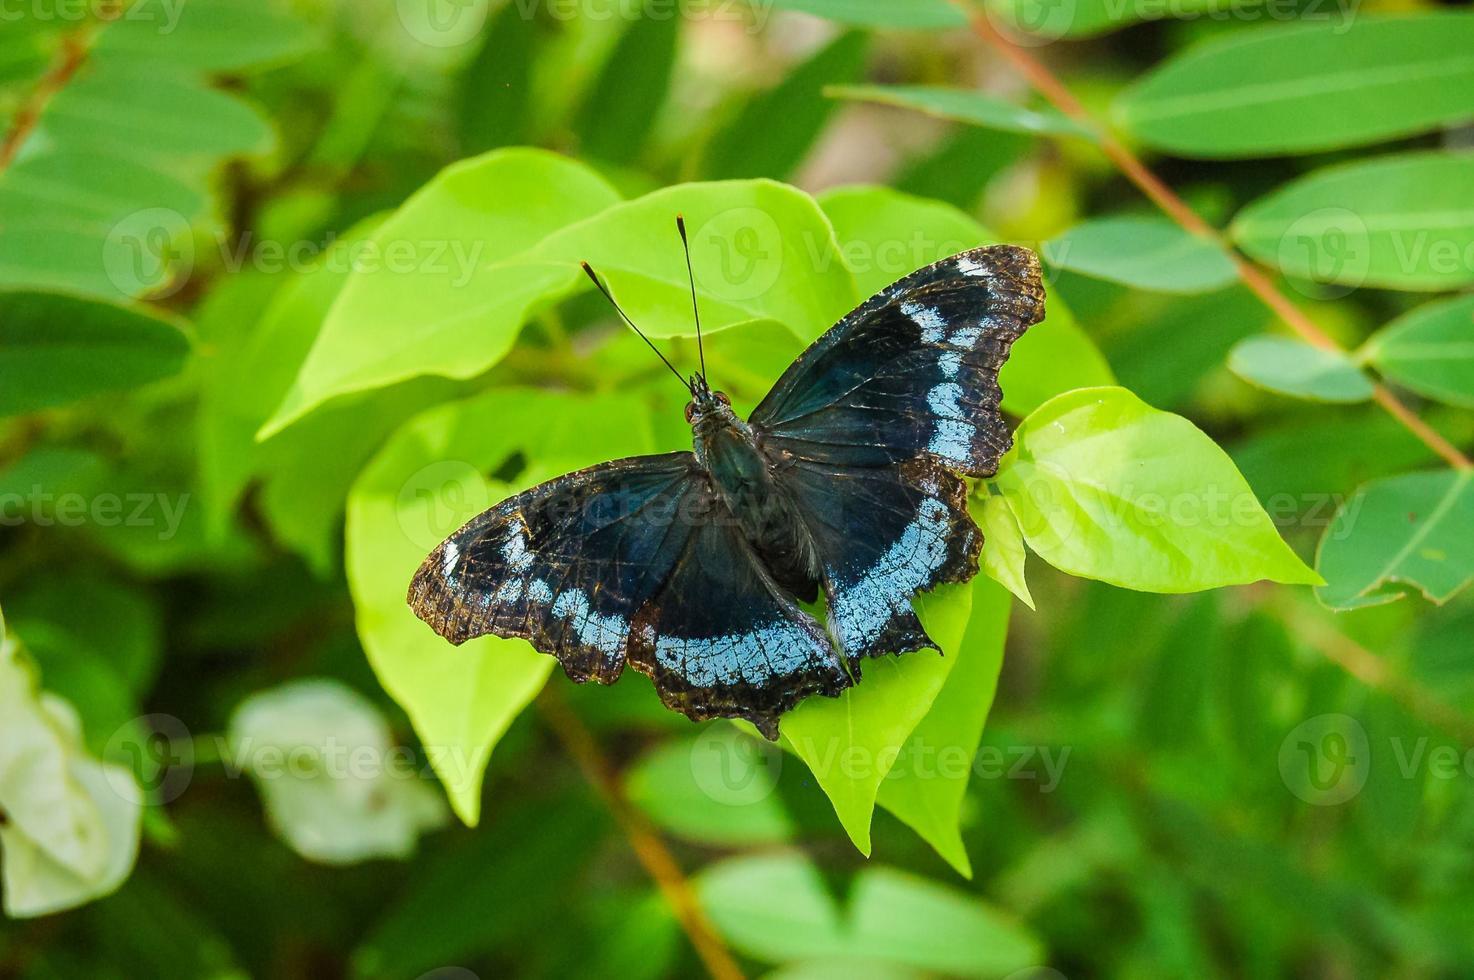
(633, 561)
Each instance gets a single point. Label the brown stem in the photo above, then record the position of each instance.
(69, 60)
(1052, 88)
(646, 843)
(1374, 672)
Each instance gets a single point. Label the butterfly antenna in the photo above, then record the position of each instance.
(691, 277)
(588, 271)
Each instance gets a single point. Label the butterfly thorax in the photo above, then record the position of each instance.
(743, 475)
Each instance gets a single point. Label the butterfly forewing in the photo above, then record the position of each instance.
(912, 371)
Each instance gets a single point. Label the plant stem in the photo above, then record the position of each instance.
(75, 47)
(646, 843)
(1052, 88)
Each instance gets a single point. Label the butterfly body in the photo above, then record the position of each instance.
(845, 482)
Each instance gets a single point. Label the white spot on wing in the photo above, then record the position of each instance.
(448, 559)
(968, 267)
(933, 327)
(950, 362)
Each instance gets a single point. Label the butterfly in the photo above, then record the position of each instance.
(695, 567)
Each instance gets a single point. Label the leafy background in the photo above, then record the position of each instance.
(289, 290)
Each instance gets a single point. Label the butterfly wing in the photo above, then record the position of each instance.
(913, 370)
(871, 426)
(633, 561)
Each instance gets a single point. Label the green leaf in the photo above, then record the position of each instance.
(426, 482)
(884, 235)
(56, 349)
(760, 250)
(851, 742)
(1004, 555)
(455, 300)
(1305, 88)
(927, 785)
(1402, 222)
(915, 14)
(495, 105)
(776, 908)
(207, 35)
(1143, 252)
(1106, 487)
(1405, 532)
(342, 799)
(717, 788)
(1295, 368)
(775, 129)
(138, 110)
(624, 101)
(248, 364)
(965, 106)
(1430, 350)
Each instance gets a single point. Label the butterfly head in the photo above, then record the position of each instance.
(707, 407)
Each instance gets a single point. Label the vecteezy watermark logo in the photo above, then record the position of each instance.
(1325, 760)
(164, 14)
(43, 508)
(159, 750)
(734, 768)
(439, 498)
(150, 252)
(743, 254)
(1329, 246)
(442, 23)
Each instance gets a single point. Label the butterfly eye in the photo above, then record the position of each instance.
(722, 397)
(690, 412)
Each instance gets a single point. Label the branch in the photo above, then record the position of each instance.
(1373, 671)
(69, 60)
(646, 843)
(1052, 88)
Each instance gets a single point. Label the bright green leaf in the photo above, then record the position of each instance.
(1145, 252)
(445, 294)
(1106, 487)
(1404, 532)
(777, 909)
(1308, 87)
(1430, 350)
(1402, 221)
(927, 785)
(1004, 555)
(851, 742)
(424, 484)
(760, 251)
(56, 349)
(1295, 368)
(966, 106)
